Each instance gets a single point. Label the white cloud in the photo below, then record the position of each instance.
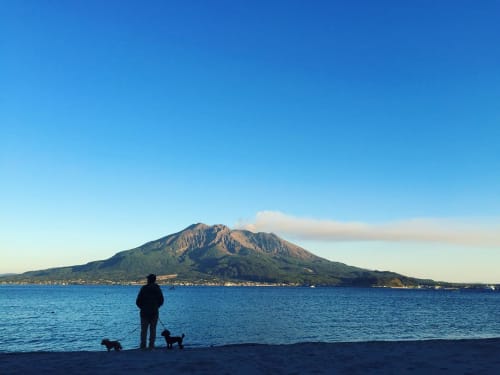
(459, 232)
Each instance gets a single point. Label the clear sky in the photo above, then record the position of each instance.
(367, 132)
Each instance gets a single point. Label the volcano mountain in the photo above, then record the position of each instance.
(203, 254)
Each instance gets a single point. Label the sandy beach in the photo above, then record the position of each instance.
(406, 357)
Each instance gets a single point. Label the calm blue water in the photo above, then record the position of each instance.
(64, 318)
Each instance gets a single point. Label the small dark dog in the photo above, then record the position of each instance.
(171, 340)
(112, 345)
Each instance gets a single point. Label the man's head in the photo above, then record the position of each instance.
(151, 278)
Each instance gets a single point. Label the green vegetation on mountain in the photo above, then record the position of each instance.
(202, 254)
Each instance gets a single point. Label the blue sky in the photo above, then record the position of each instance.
(122, 122)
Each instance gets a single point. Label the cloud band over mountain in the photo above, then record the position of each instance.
(459, 232)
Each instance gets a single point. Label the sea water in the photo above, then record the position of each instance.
(74, 318)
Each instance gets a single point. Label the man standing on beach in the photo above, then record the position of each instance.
(149, 300)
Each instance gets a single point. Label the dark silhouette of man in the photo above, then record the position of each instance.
(149, 300)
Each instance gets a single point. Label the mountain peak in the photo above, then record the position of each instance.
(221, 228)
(203, 226)
(198, 226)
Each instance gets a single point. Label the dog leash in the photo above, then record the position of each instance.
(135, 329)
(162, 323)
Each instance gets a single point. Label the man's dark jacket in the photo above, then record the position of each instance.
(149, 299)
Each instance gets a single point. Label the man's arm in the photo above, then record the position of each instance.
(160, 299)
(138, 301)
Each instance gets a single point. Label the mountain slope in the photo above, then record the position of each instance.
(202, 253)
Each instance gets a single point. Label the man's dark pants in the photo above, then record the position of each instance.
(148, 320)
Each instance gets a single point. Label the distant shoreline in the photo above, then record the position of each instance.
(173, 285)
(374, 357)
